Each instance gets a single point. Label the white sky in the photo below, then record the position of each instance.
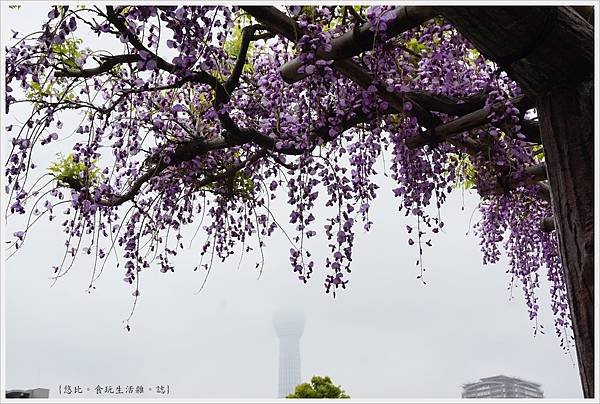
(385, 336)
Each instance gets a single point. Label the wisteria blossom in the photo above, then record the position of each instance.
(197, 122)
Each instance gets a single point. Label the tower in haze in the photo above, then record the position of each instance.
(289, 326)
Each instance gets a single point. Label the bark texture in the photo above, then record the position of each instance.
(567, 122)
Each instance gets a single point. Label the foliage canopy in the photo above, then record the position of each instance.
(319, 387)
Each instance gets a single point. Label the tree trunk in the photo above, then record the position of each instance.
(567, 126)
(549, 51)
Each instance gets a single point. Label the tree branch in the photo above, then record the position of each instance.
(247, 37)
(118, 23)
(235, 136)
(280, 23)
(108, 63)
(362, 39)
(232, 170)
(198, 76)
(209, 179)
(357, 17)
(464, 123)
(533, 175)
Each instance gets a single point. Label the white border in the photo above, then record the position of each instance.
(4, 5)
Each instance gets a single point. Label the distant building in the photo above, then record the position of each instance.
(502, 387)
(289, 327)
(31, 393)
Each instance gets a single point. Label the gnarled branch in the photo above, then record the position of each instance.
(362, 39)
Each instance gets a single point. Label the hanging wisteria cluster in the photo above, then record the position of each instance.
(194, 123)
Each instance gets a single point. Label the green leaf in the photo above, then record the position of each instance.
(472, 55)
(538, 152)
(415, 46)
(73, 174)
(68, 52)
(465, 174)
(234, 43)
(243, 184)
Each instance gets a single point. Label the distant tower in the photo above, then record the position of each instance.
(289, 326)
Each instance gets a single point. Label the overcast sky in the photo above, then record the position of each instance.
(387, 335)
